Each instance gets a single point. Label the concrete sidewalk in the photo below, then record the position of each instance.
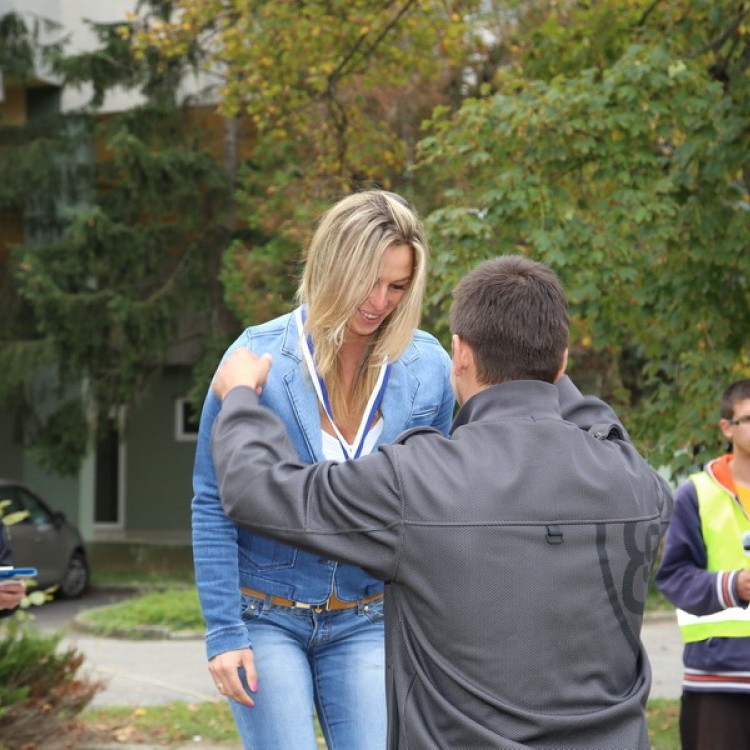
(663, 643)
(148, 673)
(154, 672)
(137, 672)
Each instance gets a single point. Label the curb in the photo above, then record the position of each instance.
(135, 633)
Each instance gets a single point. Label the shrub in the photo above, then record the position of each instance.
(40, 692)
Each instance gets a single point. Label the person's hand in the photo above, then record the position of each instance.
(242, 367)
(743, 585)
(224, 669)
(11, 593)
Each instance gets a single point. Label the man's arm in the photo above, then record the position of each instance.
(597, 417)
(349, 511)
(682, 576)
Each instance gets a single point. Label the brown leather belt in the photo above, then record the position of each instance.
(330, 604)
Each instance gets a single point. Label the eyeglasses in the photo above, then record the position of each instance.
(740, 420)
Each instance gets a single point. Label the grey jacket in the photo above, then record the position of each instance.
(516, 555)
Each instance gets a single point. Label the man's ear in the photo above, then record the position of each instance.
(563, 366)
(462, 355)
(726, 429)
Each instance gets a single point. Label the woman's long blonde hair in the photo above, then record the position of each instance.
(342, 265)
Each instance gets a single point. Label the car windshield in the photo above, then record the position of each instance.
(21, 500)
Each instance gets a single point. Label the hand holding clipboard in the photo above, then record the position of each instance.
(10, 574)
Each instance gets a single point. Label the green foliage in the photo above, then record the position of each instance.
(335, 94)
(36, 679)
(607, 138)
(61, 443)
(20, 48)
(627, 174)
(109, 291)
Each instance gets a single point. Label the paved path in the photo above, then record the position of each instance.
(140, 673)
(153, 672)
(661, 637)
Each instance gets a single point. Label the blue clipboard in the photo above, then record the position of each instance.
(11, 572)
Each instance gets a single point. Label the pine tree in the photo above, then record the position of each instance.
(126, 218)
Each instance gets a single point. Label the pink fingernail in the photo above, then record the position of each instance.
(254, 687)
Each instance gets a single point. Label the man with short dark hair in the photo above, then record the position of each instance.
(516, 552)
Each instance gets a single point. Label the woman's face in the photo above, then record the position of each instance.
(393, 280)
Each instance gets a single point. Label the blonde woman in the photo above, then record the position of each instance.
(286, 630)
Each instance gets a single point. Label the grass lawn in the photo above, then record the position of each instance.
(173, 724)
(663, 724)
(170, 609)
(180, 723)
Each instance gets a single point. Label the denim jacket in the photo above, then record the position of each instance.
(227, 557)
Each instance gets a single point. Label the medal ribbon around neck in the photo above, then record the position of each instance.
(373, 403)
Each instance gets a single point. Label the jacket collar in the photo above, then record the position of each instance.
(530, 399)
(719, 469)
(397, 401)
(290, 342)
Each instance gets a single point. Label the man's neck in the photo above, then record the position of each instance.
(740, 468)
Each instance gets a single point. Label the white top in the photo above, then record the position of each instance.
(373, 403)
(332, 448)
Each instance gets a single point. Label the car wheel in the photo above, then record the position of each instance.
(76, 578)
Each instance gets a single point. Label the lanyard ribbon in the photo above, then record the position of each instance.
(373, 403)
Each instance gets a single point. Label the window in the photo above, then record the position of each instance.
(186, 421)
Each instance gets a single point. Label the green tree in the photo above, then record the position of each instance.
(613, 144)
(126, 222)
(336, 93)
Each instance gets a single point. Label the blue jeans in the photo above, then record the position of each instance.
(334, 661)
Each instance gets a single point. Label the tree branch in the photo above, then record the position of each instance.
(720, 40)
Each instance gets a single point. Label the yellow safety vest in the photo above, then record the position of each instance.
(723, 524)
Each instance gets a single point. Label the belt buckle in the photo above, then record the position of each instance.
(324, 607)
(316, 608)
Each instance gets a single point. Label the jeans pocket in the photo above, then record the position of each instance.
(252, 609)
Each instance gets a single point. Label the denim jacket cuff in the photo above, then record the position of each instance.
(226, 639)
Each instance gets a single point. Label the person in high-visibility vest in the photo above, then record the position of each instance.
(705, 573)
